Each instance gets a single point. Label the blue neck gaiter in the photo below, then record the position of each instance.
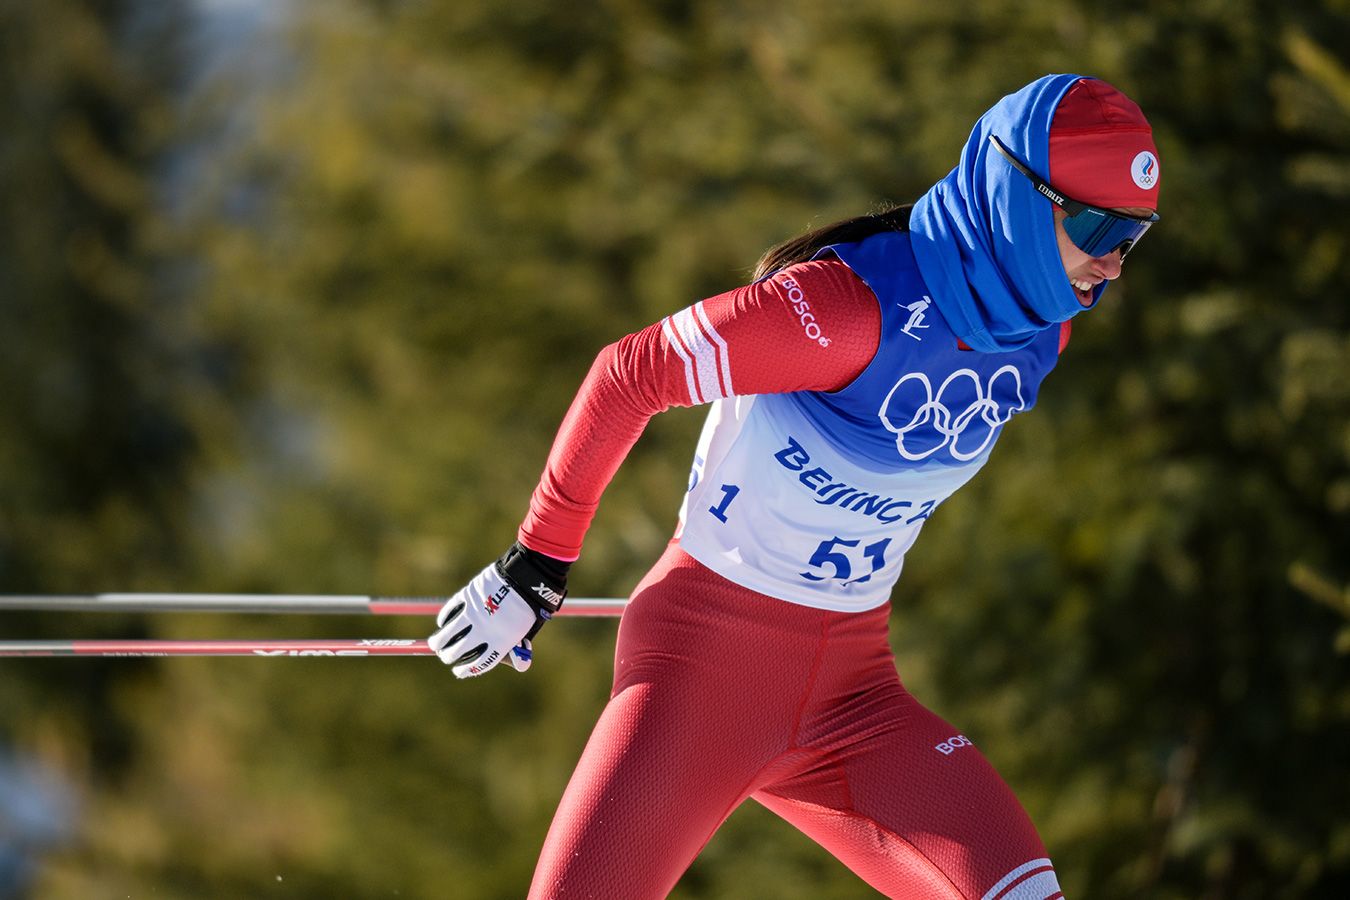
(984, 238)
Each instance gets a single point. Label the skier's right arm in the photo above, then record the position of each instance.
(811, 327)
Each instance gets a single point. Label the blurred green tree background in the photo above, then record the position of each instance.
(293, 297)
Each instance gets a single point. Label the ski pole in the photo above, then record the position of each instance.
(271, 603)
(348, 647)
(248, 603)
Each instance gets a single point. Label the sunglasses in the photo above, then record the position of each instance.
(1095, 231)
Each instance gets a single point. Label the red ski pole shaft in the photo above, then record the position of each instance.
(271, 603)
(134, 648)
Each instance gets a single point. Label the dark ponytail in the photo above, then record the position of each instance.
(805, 246)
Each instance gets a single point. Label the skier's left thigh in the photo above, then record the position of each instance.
(918, 812)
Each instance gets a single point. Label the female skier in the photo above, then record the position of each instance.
(856, 384)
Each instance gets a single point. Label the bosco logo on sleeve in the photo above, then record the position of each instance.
(952, 744)
(802, 308)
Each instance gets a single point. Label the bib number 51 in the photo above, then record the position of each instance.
(831, 555)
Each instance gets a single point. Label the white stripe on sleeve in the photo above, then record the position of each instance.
(723, 358)
(707, 353)
(668, 329)
(1034, 880)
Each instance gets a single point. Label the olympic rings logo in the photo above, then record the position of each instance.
(924, 421)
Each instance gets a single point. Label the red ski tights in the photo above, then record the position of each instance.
(722, 694)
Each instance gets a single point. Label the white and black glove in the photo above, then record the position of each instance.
(495, 616)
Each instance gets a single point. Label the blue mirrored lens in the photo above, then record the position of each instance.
(1098, 233)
